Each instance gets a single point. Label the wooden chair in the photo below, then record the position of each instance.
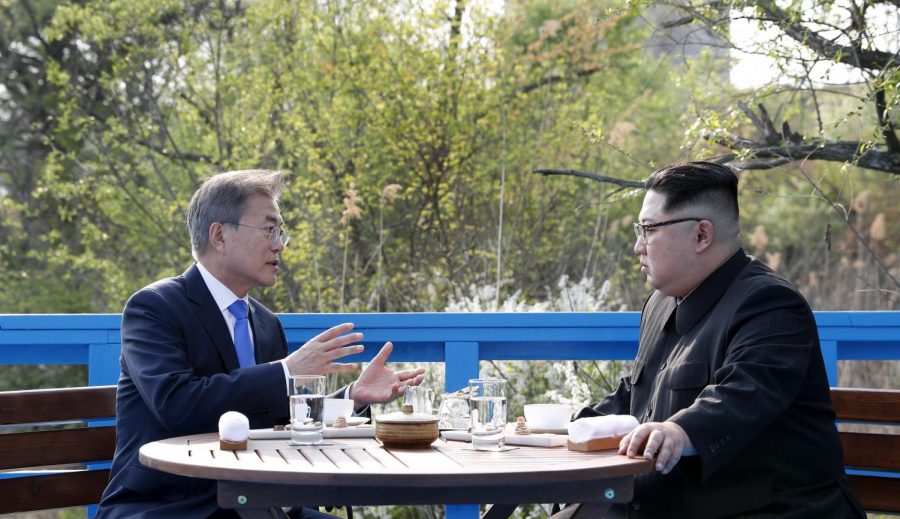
(876, 453)
(65, 441)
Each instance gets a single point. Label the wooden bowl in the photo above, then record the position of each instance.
(406, 430)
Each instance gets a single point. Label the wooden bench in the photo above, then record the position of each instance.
(66, 441)
(870, 451)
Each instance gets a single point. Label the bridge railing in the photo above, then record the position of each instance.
(458, 341)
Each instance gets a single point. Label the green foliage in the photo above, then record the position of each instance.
(151, 97)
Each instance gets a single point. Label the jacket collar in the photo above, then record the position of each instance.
(698, 302)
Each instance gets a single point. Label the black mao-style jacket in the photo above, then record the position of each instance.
(738, 366)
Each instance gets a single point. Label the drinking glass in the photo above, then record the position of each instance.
(420, 397)
(488, 396)
(454, 412)
(307, 400)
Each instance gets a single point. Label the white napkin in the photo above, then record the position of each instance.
(610, 426)
(234, 427)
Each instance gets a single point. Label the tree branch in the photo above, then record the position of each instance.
(887, 127)
(855, 56)
(177, 155)
(593, 176)
(779, 148)
(587, 71)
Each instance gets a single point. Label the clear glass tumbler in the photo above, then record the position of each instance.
(307, 400)
(488, 397)
(454, 412)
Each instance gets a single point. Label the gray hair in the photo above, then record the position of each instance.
(223, 198)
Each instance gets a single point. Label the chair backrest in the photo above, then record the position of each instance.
(46, 427)
(872, 458)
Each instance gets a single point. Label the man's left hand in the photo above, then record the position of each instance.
(378, 384)
(666, 441)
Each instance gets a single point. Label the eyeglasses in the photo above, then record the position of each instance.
(275, 233)
(640, 229)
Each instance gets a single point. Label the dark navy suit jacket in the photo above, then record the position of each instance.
(180, 372)
(739, 368)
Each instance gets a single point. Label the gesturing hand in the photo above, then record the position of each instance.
(317, 356)
(379, 384)
(666, 441)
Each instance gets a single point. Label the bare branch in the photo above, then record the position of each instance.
(855, 56)
(593, 176)
(887, 127)
(849, 152)
(777, 149)
(587, 71)
(684, 20)
(177, 155)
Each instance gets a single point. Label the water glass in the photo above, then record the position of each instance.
(454, 412)
(307, 400)
(420, 397)
(488, 396)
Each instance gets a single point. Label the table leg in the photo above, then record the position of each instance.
(583, 511)
(499, 511)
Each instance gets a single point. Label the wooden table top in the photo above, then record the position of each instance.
(363, 461)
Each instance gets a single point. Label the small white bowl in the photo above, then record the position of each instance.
(548, 416)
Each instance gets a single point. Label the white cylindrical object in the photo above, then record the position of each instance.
(610, 426)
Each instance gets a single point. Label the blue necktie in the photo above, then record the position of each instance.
(242, 343)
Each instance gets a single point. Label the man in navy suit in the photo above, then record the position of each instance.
(180, 368)
(728, 385)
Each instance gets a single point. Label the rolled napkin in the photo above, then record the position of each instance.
(234, 429)
(610, 426)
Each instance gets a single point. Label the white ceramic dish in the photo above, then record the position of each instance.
(352, 421)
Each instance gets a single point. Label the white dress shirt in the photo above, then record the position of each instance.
(224, 297)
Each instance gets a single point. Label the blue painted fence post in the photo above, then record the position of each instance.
(460, 364)
(829, 355)
(103, 370)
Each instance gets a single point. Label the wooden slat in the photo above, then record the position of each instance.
(340, 459)
(35, 449)
(50, 405)
(877, 494)
(870, 450)
(880, 451)
(54, 491)
(874, 405)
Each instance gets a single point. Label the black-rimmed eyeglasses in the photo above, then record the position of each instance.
(275, 233)
(640, 229)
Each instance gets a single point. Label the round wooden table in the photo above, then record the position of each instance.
(359, 471)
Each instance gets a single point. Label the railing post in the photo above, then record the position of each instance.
(829, 355)
(460, 364)
(103, 364)
(103, 370)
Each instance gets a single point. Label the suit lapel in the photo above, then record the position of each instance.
(210, 317)
(266, 341)
(259, 331)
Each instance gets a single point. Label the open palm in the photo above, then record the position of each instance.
(378, 384)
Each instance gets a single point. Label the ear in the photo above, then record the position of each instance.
(706, 235)
(217, 236)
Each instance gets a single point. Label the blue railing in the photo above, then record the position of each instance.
(459, 341)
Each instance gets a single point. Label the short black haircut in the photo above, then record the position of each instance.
(687, 184)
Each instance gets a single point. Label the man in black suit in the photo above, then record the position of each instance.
(728, 385)
(180, 366)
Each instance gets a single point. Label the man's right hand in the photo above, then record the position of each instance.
(317, 356)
